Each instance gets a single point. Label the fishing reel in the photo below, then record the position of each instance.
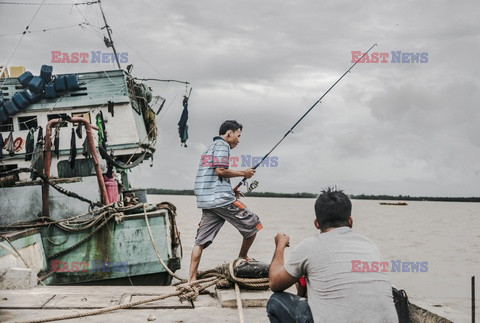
(252, 186)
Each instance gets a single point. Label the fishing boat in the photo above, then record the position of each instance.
(68, 211)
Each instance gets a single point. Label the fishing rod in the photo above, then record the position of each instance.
(255, 183)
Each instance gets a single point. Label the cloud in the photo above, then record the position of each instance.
(385, 128)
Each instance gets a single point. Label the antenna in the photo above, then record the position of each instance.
(109, 43)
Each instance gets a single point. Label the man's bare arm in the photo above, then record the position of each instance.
(279, 278)
(229, 173)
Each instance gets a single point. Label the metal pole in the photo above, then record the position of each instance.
(109, 35)
(48, 160)
(473, 299)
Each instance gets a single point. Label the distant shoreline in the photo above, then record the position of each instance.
(161, 191)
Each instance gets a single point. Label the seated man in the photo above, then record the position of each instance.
(336, 292)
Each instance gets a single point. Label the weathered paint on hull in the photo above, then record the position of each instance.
(117, 251)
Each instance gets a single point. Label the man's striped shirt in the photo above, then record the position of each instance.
(211, 190)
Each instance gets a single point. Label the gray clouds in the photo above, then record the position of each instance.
(385, 128)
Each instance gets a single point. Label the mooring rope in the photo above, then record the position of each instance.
(222, 276)
(170, 272)
(183, 291)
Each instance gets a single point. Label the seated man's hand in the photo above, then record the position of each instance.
(282, 240)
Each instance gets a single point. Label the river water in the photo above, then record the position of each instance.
(444, 234)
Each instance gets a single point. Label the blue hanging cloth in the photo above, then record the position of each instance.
(182, 124)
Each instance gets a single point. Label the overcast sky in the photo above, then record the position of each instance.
(386, 128)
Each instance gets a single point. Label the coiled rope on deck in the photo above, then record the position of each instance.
(227, 273)
(183, 291)
(186, 291)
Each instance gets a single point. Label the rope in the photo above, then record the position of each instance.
(254, 283)
(183, 291)
(83, 240)
(66, 227)
(112, 162)
(222, 276)
(239, 304)
(57, 244)
(170, 272)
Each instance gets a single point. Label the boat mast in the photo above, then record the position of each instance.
(109, 43)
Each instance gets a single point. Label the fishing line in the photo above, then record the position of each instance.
(242, 182)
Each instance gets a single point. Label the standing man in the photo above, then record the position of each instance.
(336, 290)
(216, 198)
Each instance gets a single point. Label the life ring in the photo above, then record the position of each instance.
(18, 144)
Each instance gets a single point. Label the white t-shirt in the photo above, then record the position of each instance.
(335, 292)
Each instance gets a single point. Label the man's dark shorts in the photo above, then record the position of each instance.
(237, 214)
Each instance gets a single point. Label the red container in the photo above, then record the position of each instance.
(112, 189)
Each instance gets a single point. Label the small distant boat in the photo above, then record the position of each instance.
(393, 203)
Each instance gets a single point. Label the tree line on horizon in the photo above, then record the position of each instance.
(414, 198)
(253, 194)
(162, 191)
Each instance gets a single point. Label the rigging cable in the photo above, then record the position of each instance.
(19, 40)
(48, 29)
(50, 4)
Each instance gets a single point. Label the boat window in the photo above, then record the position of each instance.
(27, 123)
(7, 126)
(83, 167)
(85, 115)
(58, 115)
